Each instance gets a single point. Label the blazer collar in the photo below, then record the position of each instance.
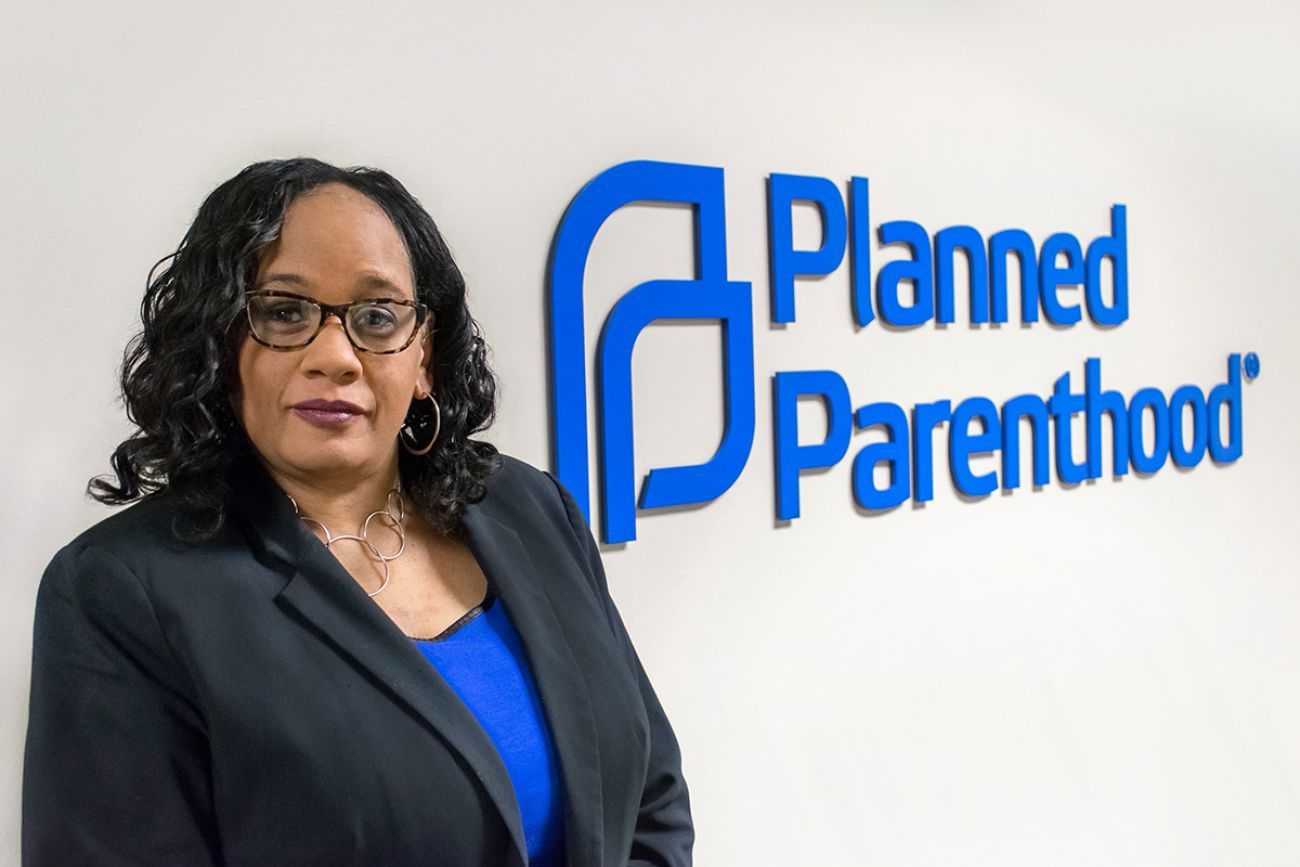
(322, 592)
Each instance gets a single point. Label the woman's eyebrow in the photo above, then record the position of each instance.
(370, 281)
(373, 281)
(283, 278)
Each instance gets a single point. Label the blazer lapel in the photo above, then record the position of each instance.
(565, 700)
(322, 592)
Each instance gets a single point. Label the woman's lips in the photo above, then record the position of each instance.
(324, 417)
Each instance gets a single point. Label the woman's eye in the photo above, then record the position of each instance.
(285, 313)
(375, 318)
(281, 318)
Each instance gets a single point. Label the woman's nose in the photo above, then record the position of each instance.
(331, 352)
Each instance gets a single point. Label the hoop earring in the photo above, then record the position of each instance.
(409, 434)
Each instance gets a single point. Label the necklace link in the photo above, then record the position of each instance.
(396, 521)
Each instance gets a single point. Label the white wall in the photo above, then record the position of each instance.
(1098, 675)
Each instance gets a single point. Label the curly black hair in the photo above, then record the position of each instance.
(178, 371)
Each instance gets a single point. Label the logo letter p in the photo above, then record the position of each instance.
(709, 296)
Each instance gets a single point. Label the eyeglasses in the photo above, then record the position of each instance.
(284, 321)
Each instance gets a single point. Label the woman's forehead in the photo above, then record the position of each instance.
(335, 239)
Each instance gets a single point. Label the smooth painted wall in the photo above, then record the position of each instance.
(1100, 674)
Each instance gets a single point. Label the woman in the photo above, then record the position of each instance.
(333, 629)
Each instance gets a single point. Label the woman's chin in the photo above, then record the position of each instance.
(333, 458)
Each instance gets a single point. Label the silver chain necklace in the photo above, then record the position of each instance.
(395, 520)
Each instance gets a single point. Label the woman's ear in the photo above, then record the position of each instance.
(424, 379)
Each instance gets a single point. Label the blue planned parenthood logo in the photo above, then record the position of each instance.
(709, 296)
(906, 292)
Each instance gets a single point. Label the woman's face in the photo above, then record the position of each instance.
(335, 245)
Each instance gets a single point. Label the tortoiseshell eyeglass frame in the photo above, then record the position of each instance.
(339, 310)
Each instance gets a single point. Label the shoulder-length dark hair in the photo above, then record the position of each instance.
(178, 370)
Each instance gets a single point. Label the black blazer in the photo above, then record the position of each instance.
(243, 701)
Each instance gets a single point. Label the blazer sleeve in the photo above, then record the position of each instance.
(116, 769)
(664, 832)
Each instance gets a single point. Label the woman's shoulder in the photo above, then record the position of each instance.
(155, 526)
(156, 530)
(520, 491)
(516, 473)
(98, 573)
(127, 525)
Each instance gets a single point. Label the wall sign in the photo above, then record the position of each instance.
(905, 292)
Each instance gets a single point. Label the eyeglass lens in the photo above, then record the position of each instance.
(289, 322)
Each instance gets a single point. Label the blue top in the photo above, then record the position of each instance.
(481, 658)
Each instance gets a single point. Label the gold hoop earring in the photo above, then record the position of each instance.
(415, 425)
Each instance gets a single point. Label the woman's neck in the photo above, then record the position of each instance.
(339, 501)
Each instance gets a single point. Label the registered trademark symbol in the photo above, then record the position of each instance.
(1250, 364)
